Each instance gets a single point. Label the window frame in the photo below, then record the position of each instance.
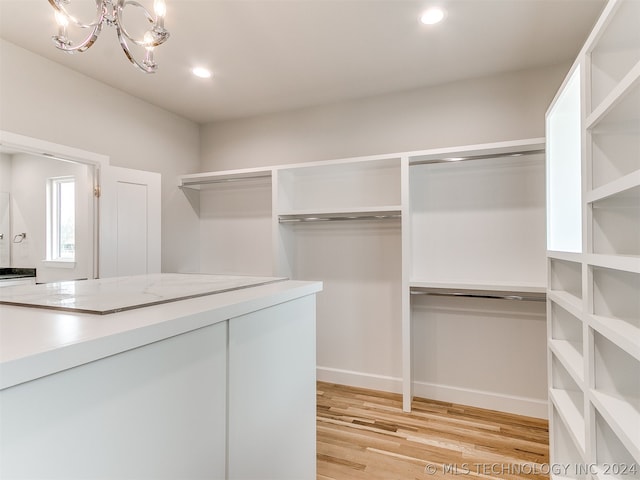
(54, 224)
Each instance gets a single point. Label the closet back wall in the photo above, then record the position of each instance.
(482, 110)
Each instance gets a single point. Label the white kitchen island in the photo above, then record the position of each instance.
(212, 386)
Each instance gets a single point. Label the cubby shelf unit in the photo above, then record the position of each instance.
(594, 290)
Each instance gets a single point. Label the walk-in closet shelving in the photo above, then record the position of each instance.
(594, 285)
(340, 186)
(565, 283)
(359, 225)
(476, 229)
(235, 214)
(566, 341)
(564, 442)
(568, 398)
(340, 222)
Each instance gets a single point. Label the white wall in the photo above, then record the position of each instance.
(5, 172)
(44, 100)
(504, 107)
(5, 199)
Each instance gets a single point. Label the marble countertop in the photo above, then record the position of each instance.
(35, 342)
(110, 295)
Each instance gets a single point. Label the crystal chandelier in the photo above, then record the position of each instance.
(110, 12)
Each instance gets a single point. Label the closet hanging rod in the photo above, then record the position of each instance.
(498, 296)
(453, 158)
(318, 218)
(195, 183)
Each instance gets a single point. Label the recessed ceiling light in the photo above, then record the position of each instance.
(432, 16)
(201, 72)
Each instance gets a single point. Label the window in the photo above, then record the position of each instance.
(61, 219)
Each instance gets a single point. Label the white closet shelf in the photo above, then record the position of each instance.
(571, 416)
(620, 106)
(198, 180)
(570, 356)
(625, 263)
(627, 186)
(503, 291)
(371, 162)
(477, 152)
(623, 416)
(569, 302)
(621, 332)
(361, 213)
(566, 256)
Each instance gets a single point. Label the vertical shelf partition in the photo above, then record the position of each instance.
(594, 282)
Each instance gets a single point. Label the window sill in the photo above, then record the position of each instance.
(59, 263)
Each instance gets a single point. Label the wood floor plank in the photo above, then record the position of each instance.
(365, 434)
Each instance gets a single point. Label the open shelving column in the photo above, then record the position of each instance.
(476, 244)
(340, 221)
(235, 212)
(594, 278)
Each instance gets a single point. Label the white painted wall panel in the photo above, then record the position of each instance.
(235, 228)
(484, 352)
(480, 221)
(359, 314)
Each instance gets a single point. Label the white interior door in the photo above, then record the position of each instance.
(129, 222)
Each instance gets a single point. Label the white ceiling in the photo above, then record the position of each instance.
(274, 55)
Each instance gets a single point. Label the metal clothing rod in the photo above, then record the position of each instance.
(454, 158)
(337, 218)
(525, 298)
(224, 180)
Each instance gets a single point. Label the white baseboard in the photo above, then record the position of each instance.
(531, 407)
(502, 402)
(359, 379)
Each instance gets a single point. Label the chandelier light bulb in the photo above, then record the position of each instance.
(61, 19)
(160, 8)
(148, 41)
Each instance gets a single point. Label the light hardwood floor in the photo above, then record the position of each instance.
(364, 434)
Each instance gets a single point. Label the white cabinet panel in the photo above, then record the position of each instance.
(272, 393)
(155, 412)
